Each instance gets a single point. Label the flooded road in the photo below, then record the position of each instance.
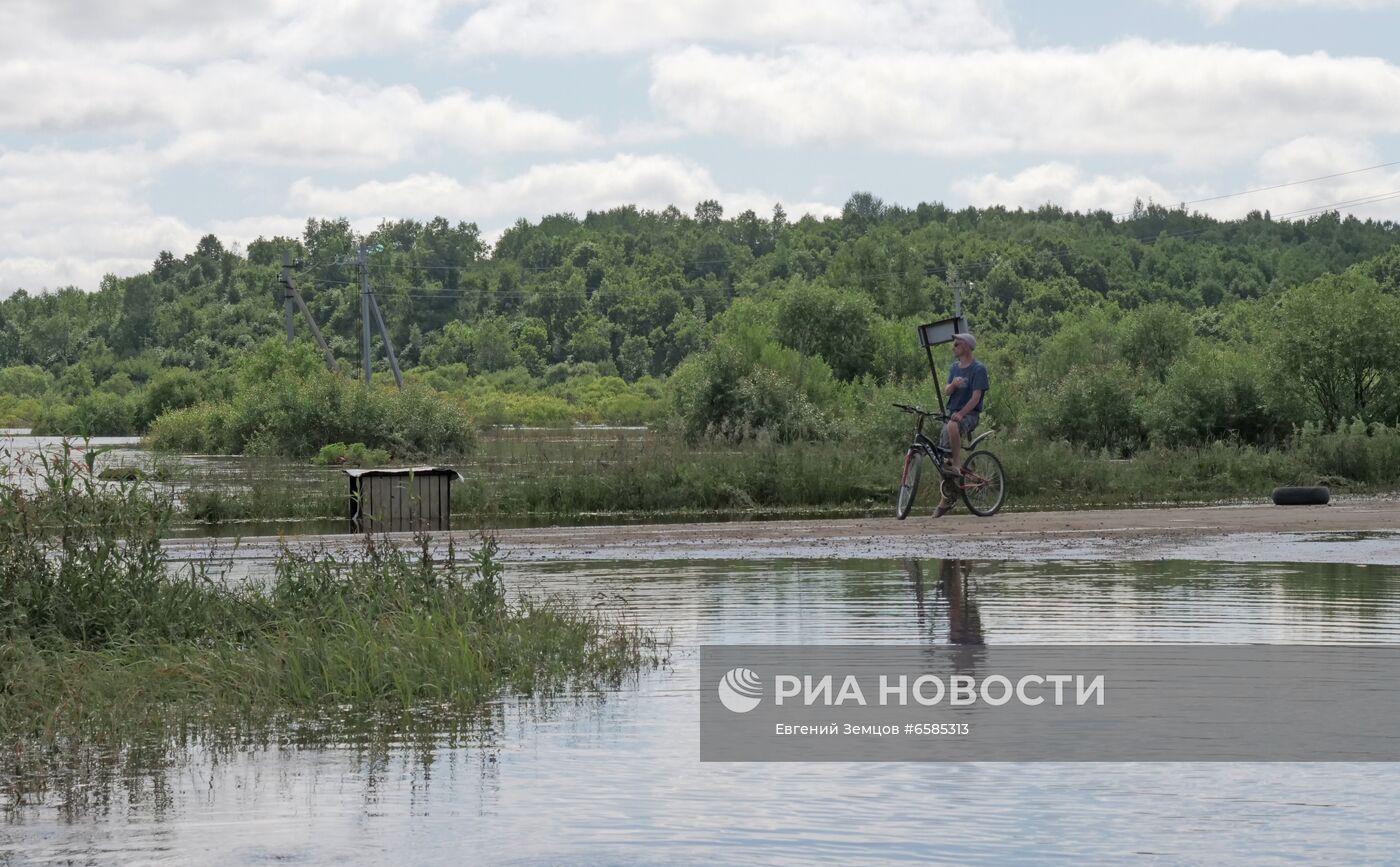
(614, 777)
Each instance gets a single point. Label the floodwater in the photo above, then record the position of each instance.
(19, 449)
(614, 777)
(299, 487)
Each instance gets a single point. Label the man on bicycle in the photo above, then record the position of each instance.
(967, 391)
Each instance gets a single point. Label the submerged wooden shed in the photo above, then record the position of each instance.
(393, 499)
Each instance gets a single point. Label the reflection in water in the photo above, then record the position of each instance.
(613, 776)
(953, 592)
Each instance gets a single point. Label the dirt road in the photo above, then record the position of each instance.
(1357, 531)
(1365, 531)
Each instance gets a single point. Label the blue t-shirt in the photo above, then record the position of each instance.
(975, 379)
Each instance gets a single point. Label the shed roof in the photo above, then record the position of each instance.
(403, 471)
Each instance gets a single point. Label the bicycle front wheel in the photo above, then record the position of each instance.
(983, 484)
(909, 483)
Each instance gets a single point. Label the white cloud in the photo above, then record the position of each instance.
(1335, 163)
(287, 32)
(67, 218)
(539, 27)
(1294, 180)
(652, 182)
(1064, 185)
(241, 111)
(1219, 10)
(1198, 103)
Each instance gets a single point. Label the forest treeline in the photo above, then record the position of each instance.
(1116, 333)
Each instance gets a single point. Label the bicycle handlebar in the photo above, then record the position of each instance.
(919, 410)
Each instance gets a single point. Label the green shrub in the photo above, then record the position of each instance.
(170, 389)
(1358, 454)
(747, 385)
(354, 455)
(1093, 406)
(834, 325)
(54, 418)
(1151, 338)
(103, 414)
(286, 403)
(24, 381)
(198, 429)
(767, 401)
(97, 413)
(19, 412)
(1210, 394)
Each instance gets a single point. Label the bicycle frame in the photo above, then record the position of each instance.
(941, 456)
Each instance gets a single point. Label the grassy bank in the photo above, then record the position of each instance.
(669, 477)
(656, 476)
(100, 633)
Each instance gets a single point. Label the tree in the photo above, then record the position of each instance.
(173, 388)
(862, 211)
(833, 325)
(709, 213)
(634, 357)
(1153, 337)
(1338, 340)
(592, 339)
(1094, 406)
(492, 345)
(24, 381)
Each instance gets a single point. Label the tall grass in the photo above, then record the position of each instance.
(98, 629)
(562, 477)
(661, 475)
(259, 489)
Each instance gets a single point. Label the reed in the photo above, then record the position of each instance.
(98, 631)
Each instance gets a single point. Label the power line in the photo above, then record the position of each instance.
(1351, 203)
(1293, 183)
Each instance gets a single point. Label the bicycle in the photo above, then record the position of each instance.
(982, 484)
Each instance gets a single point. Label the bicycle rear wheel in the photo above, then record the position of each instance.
(983, 484)
(909, 483)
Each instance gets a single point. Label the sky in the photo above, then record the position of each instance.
(135, 127)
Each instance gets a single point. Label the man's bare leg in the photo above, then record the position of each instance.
(955, 448)
(955, 443)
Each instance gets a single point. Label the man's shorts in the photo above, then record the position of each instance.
(967, 426)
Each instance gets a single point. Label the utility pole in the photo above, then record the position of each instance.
(287, 302)
(294, 297)
(364, 310)
(369, 307)
(388, 344)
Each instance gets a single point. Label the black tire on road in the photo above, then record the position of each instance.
(1302, 495)
(909, 483)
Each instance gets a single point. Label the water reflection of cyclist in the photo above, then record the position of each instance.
(967, 388)
(964, 622)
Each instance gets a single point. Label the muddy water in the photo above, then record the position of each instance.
(615, 777)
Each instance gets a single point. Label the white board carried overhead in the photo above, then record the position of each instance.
(942, 331)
